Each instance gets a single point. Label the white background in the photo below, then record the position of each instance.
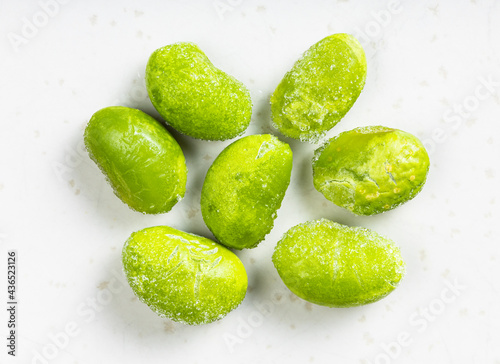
(427, 62)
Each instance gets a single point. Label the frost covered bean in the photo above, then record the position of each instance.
(183, 277)
(320, 88)
(194, 96)
(335, 265)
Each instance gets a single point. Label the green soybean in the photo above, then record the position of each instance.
(335, 265)
(195, 97)
(244, 188)
(183, 277)
(140, 159)
(320, 88)
(370, 170)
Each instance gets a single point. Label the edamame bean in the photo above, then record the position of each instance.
(320, 88)
(244, 188)
(183, 277)
(370, 170)
(335, 265)
(140, 159)
(194, 96)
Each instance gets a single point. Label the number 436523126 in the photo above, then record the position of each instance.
(11, 275)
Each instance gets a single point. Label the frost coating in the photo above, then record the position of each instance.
(141, 160)
(370, 170)
(335, 265)
(195, 97)
(320, 88)
(184, 277)
(244, 188)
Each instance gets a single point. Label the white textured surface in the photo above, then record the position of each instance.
(423, 62)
